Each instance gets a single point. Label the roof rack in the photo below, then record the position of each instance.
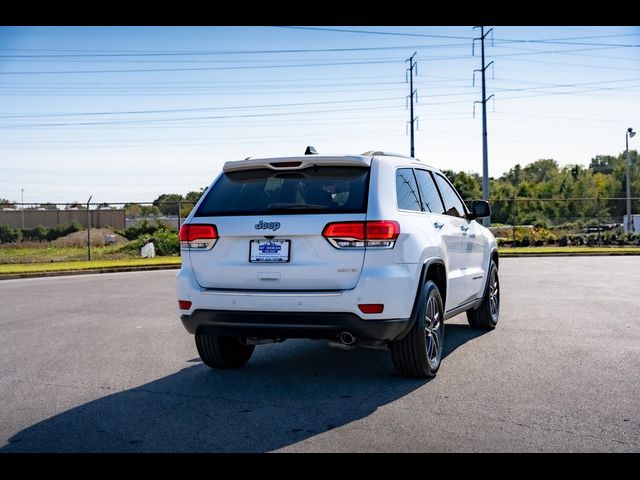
(380, 153)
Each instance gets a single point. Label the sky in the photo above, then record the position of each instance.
(124, 114)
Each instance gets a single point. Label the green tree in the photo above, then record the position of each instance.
(194, 196)
(190, 200)
(167, 203)
(541, 170)
(467, 184)
(133, 210)
(76, 206)
(4, 203)
(48, 206)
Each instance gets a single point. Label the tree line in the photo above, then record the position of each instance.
(545, 194)
(541, 193)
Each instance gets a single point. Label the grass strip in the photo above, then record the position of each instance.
(86, 265)
(506, 251)
(16, 268)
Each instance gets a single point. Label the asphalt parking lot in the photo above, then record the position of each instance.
(101, 363)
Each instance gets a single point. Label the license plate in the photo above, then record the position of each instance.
(269, 251)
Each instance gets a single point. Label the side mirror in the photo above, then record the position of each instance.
(480, 209)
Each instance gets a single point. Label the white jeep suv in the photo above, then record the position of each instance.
(372, 250)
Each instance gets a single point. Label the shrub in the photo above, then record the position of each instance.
(563, 240)
(144, 228)
(140, 229)
(571, 226)
(62, 230)
(8, 234)
(504, 242)
(577, 239)
(165, 242)
(35, 234)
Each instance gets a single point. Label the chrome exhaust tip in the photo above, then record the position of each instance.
(347, 338)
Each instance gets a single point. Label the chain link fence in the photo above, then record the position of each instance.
(572, 221)
(49, 232)
(52, 232)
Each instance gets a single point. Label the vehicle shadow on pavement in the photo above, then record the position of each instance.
(287, 393)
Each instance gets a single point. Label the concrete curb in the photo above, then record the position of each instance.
(88, 271)
(585, 254)
(64, 273)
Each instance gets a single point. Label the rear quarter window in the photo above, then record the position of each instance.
(407, 196)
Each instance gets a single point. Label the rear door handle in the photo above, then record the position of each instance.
(438, 225)
(464, 228)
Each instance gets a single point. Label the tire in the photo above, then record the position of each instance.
(485, 317)
(222, 352)
(419, 353)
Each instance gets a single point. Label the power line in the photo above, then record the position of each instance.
(323, 64)
(210, 141)
(191, 82)
(351, 109)
(565, 64)
(181, 119)
(196, 68)
(227, 52)
(372, 32)
(138, 112)
(141, 87)
(503, 40)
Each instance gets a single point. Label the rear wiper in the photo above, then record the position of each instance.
(303, 206)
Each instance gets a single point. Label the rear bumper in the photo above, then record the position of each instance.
(294, 324)
(394, 286)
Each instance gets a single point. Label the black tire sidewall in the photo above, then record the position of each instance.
(430, 290)
(492, 268)
(221, 352)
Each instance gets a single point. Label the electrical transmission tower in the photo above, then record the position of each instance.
(413, 69)
(485, 155)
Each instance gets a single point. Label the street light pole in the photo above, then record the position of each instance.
(629, 133)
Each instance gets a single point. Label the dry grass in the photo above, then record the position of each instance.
(79, 239)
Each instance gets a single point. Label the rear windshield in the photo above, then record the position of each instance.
(265, 191)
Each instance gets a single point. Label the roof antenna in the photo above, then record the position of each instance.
(310, 151)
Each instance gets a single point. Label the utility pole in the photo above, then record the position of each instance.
(485, 155)
(412, 65)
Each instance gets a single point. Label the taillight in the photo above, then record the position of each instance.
(194, 236)
(286, 164)
(373, 234)
(354, 230)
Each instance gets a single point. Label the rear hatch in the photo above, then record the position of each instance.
(269, 223)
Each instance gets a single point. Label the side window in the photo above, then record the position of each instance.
(431, 201)
(453, 204)
(407, 190)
